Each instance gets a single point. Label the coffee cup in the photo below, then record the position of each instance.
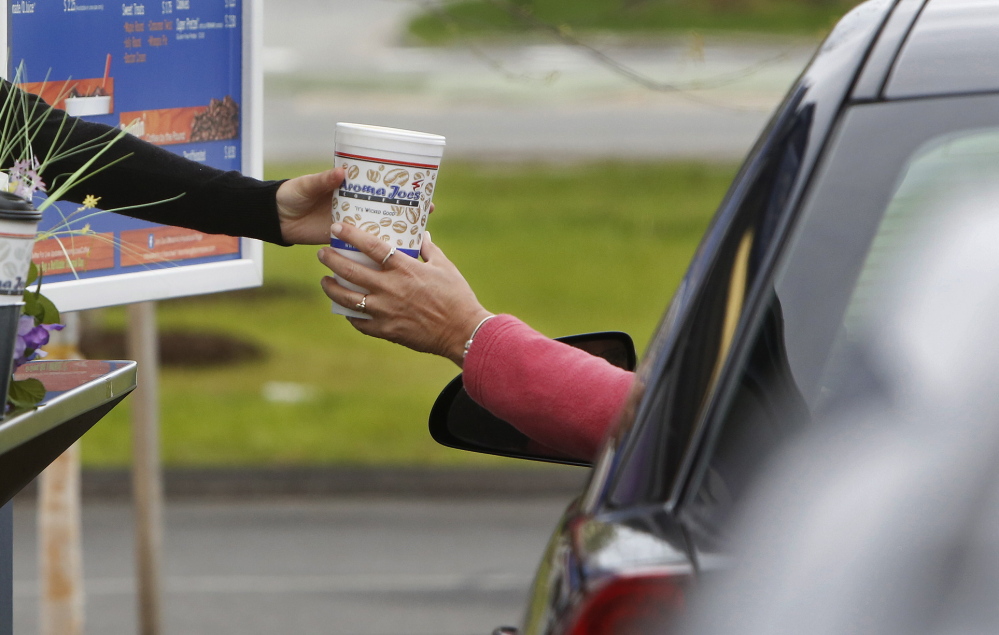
(18, 225)
(390, 179)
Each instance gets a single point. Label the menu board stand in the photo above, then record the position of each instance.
(182, 74)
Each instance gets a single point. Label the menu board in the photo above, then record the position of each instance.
(176, 73)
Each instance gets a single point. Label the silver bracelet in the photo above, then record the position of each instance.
(475, 331)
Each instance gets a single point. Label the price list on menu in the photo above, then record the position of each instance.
(169, 72)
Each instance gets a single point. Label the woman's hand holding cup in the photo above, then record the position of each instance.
(426, 306)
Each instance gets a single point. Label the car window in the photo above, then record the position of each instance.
(948, 176)
(889, 168)
(680, 390)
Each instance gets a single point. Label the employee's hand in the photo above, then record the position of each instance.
(305, 207)
(426, 306)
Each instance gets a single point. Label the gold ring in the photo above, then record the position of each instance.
(362, 304)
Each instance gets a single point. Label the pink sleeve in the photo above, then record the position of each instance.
(557, 395)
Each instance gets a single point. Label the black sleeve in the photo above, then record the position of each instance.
(213, 201)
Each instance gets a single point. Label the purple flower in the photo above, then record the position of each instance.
(24, 326)
(24, 177)
(30, 338)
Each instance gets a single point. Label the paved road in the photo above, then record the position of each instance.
(341, 566)
(337, 60)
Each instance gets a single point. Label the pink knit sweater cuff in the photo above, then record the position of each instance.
(557, 395)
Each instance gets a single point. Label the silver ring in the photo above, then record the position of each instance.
(361, 306)
(387, 256)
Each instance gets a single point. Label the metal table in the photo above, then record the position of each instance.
(79, 393)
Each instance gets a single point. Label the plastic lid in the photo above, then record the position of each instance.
(396, 134)
(13, 207)
(391, 139)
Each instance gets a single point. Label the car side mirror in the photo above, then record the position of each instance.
(458, 422)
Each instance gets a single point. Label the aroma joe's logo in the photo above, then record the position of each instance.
(392, 192)
(395, 185)
(12, 286)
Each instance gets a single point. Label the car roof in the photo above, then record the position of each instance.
(952, 48)
(933, 48)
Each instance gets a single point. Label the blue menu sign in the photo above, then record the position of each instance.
(172, 72)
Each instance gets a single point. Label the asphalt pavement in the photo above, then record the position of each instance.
(688, 96)
(379, 565)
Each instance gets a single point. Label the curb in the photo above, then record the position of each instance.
(323, 482)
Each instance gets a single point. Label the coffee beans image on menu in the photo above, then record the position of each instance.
(219, 121)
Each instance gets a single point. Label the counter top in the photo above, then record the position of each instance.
(78, 394)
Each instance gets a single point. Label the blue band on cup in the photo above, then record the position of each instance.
(336, 243)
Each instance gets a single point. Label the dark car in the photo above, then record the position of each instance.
(897, 111)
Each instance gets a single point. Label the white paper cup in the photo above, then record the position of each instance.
(18, 224)
(88, 106)
(391, 176)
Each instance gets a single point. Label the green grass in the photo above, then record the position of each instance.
(465, 18)
(566, 248)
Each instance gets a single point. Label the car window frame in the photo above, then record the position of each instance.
(797, 111)
(824, 85)
(932, 118)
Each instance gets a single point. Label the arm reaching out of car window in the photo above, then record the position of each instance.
(557, 395)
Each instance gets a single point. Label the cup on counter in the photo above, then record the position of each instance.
(391, 176)
(18, 224)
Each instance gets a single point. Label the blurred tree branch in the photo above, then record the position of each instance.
(521, 11)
